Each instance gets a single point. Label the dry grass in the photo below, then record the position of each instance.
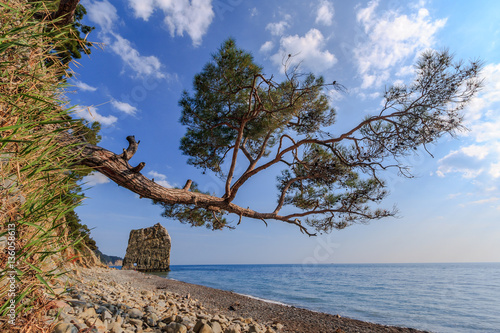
(35, 178)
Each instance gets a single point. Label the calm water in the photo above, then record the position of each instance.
(433, 297)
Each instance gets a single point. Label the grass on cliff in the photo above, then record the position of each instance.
(36, 177)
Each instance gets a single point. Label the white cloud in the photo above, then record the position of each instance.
(102, 13)
(324, 14)
(483, 120)
(391, 39)
(190, 16)
(481, 202)
(467, 160)
(90, 113)
(495, 170)
(306, 51)
(142, 65)
(475, 151)
(267, 46)
(143, 8)
(160, 179)
(278, 28)
(124, 107)
(83, 86)
(95, 178)
(405, 71)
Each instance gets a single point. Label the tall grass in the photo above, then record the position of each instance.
(35, 170)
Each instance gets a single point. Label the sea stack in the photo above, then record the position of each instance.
(148, 250)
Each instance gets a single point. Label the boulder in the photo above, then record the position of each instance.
(148, 250)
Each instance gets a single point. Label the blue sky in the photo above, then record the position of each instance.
(149, 51)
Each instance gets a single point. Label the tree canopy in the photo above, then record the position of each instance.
(329, 180)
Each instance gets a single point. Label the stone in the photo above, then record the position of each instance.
(77, 303)
(101, 327)
(199, 324)
(135, 322)
(116, 328)
(254, 329)
(151, 319)
(216, 328)
(65, 328)
(90, 312)
(135, 313)
(205, 328)
(148, 250)
(176, 328)
(233, 328)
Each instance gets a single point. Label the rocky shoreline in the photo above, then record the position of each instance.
(109, 300)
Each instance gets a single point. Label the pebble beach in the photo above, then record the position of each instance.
(110, 300)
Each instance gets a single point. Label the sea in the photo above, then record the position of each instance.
(448, 297)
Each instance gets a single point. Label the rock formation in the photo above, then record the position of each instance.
(148, 249)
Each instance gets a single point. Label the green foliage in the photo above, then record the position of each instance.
(105, 259)
(332, 180)
(193, 214)
(232, 95)
(75, 41)
(77, 231)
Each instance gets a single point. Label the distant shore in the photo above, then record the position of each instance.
(231, 305)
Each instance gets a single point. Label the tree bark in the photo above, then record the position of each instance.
(117, 168)
(66, 11)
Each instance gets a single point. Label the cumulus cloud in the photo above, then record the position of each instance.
(124, 107)
(105, 15)
(308, 51)
(102, 13)
(83, 86)
(160, 179)
(494, 170)
(277, 28)
(483, 120)
(142, 65)
(391, 38)
(95, 178)
(324, 13)
(90, 113)
(467, 160)
(267, 47)
(190, 16)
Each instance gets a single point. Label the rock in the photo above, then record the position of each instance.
(135, 313)
(101, 327)
(205, 328)
(116, 328)
(135, 322)
(65, 328)
(279, 326)
(176, 328)
(216, 328)
(151, 319)
(77, 303)
(254, 329)
(199, 324)
(90, 312)
(233, 328)
(148, 249)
